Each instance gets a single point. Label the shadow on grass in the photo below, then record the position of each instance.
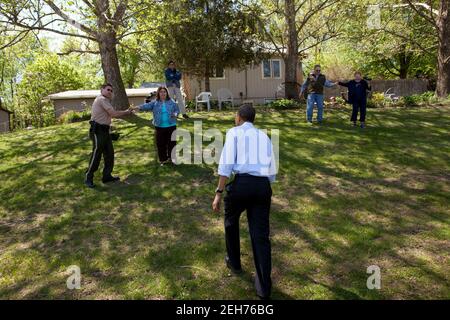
(345, 199)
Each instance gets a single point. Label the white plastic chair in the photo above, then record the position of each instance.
(203, 97)
(279, 92)
(224, 95)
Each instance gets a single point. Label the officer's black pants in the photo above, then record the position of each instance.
(254, 195)
(101, 145)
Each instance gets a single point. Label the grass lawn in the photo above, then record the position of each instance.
(345, 199)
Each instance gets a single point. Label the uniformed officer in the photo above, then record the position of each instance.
(99, 132)
(248, 153)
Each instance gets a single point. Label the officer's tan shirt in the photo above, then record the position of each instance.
(99, 110)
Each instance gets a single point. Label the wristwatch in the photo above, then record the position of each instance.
(219, 191)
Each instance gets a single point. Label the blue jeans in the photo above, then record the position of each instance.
(314, 98)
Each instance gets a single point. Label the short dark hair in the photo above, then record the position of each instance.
(317, 65)
(247, 113)
(106, 85)
(171, 61)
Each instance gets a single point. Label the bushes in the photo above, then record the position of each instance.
(378, 100)
(190, 105)
(340, 101)
(284, 104)
(419, 99)
(214, 104)
(47, 74)
(75, 116)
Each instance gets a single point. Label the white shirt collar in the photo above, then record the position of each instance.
(246, 124)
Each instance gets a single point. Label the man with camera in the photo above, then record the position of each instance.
(357, 97)
(312, 90)
(99, 132)
(173, 85)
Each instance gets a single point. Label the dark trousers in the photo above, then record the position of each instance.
(164, 142)
(361, 107)
(254, 195)
(101, 145)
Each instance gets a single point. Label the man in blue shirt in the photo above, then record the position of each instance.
(173, 84)
(248, 154)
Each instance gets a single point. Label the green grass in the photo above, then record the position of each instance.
(345, 199)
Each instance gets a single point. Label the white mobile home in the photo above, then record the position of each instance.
(261, 83)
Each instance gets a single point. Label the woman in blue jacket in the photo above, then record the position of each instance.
(165, 113)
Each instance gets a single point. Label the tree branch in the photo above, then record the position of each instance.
(77, 51)
(16, 39)
(420, 13)
(71, 21)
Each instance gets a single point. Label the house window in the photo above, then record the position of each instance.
(271, 69)
(218, 73)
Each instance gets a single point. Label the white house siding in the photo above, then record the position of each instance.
(80, 104)
(258, 89)
(64, 105)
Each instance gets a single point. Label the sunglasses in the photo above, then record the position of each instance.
(109, 90)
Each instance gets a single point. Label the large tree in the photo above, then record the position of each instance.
(104, 22)
(203, 36)
(398, 45)
(439, 19)
(293, 27)
(435, 13)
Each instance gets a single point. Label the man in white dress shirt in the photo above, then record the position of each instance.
(248, 154)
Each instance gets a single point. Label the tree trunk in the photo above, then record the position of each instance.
(404, 60)
(443, 23)
(207, 86)
(111, 70)
(291, 59)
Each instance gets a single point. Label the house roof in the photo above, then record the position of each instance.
(151, 84)
(91, 94)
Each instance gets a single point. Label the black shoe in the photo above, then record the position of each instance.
(110, 179)
(89, 183)
(363, 125)
(185, 116)
(233, 269)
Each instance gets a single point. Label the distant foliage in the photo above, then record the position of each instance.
(74, 116)
(45, 75)
(378, 100)
(284, 104)
(419, 99)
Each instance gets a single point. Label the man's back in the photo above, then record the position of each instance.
(248, 149)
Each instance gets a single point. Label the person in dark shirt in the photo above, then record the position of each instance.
(173, 85)
(357, 96)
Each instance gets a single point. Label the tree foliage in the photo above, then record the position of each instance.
(47, 74)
